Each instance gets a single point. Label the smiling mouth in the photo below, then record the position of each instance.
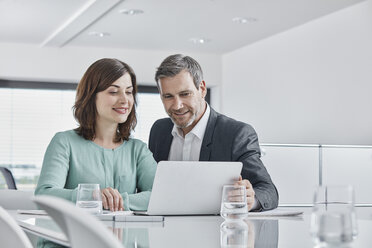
(121, 110)
(180, 114)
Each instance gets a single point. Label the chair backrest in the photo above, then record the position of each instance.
(11, 234)
(17, 199)
(9, 179)
(81, 228)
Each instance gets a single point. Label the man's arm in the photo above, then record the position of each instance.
(160, 139)
(151, 140)
(154, 140)
(246, 149)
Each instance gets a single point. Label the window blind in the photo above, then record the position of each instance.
(29, 118)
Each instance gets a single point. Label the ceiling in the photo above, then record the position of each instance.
(164, 24)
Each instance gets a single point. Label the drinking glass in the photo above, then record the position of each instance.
(333, 219)
(234, 234)
(234, 202)
(89, 198)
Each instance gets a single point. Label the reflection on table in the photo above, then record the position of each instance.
(206, 232)
(192, 231)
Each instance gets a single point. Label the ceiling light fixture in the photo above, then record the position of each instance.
(131, 11)
(244, 20)
(199, 40)
(98, 34)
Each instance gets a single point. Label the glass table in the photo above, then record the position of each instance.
(202, 231)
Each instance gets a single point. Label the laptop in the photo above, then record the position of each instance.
(190, 187)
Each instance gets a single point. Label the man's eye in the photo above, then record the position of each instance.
(185, 94)
(167, 96)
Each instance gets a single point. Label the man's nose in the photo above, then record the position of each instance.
(177, 103)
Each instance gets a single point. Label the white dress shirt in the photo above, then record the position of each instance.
(188, 148)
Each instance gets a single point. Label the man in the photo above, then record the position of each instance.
(195, 131)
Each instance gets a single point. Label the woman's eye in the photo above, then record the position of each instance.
(113, 92)
(129, 92)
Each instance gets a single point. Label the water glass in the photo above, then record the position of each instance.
(333, 219)
(234, 202)
(234, 234)
(89, 198)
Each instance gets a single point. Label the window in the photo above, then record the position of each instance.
(32, 112)
(29, 118)
(149, 109)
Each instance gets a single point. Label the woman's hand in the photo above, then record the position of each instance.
(118, 232)
(112, 199)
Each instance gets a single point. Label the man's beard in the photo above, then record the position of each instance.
(189, 123)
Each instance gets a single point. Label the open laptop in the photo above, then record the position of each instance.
(190, 187)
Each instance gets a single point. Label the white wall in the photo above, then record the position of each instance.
(68, 64)
(311, 84)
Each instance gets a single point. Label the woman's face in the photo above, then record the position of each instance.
(115, 103)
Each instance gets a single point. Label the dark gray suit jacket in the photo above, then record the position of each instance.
(225, 139)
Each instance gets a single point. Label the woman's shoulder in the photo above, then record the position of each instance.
(138, 149)
(136, 143)
(67, 136)
(137, 146)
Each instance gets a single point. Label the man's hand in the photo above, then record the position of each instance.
(111, 199)
(251, 233)
(249, 189)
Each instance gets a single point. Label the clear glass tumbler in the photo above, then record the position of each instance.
(89, 198)
(234, 202)
(333, 219)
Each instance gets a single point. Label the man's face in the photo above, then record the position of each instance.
(183, 102)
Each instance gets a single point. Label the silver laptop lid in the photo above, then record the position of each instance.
(190, 187)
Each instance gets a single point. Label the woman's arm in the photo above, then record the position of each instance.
(55, 170)
(146, 168)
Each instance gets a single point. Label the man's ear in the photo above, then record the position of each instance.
(203, 88)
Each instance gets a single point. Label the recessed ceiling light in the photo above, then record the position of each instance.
(131, 11)
(199, 40)
(98, 34)
(244, 20)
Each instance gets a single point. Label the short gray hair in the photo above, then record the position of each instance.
(176, 63)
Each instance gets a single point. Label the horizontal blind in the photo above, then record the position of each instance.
(149, 109)
(29, 118)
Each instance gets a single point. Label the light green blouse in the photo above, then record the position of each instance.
(70, 159)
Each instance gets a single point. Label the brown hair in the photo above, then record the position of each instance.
(98, 77)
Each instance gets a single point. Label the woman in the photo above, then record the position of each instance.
(100, 150)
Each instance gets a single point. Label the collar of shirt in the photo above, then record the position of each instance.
(199, 128)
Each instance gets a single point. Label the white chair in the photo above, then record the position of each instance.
(16, 199)
(11, 234)
(81, 228)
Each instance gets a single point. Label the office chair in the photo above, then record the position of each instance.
(11, 234)
(81, 228)
(11, 199)
(8, 178)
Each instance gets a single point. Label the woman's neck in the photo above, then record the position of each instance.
(105, 136)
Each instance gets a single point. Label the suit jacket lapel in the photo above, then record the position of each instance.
(205, 151)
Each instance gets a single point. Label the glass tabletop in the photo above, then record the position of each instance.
(210, 231)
